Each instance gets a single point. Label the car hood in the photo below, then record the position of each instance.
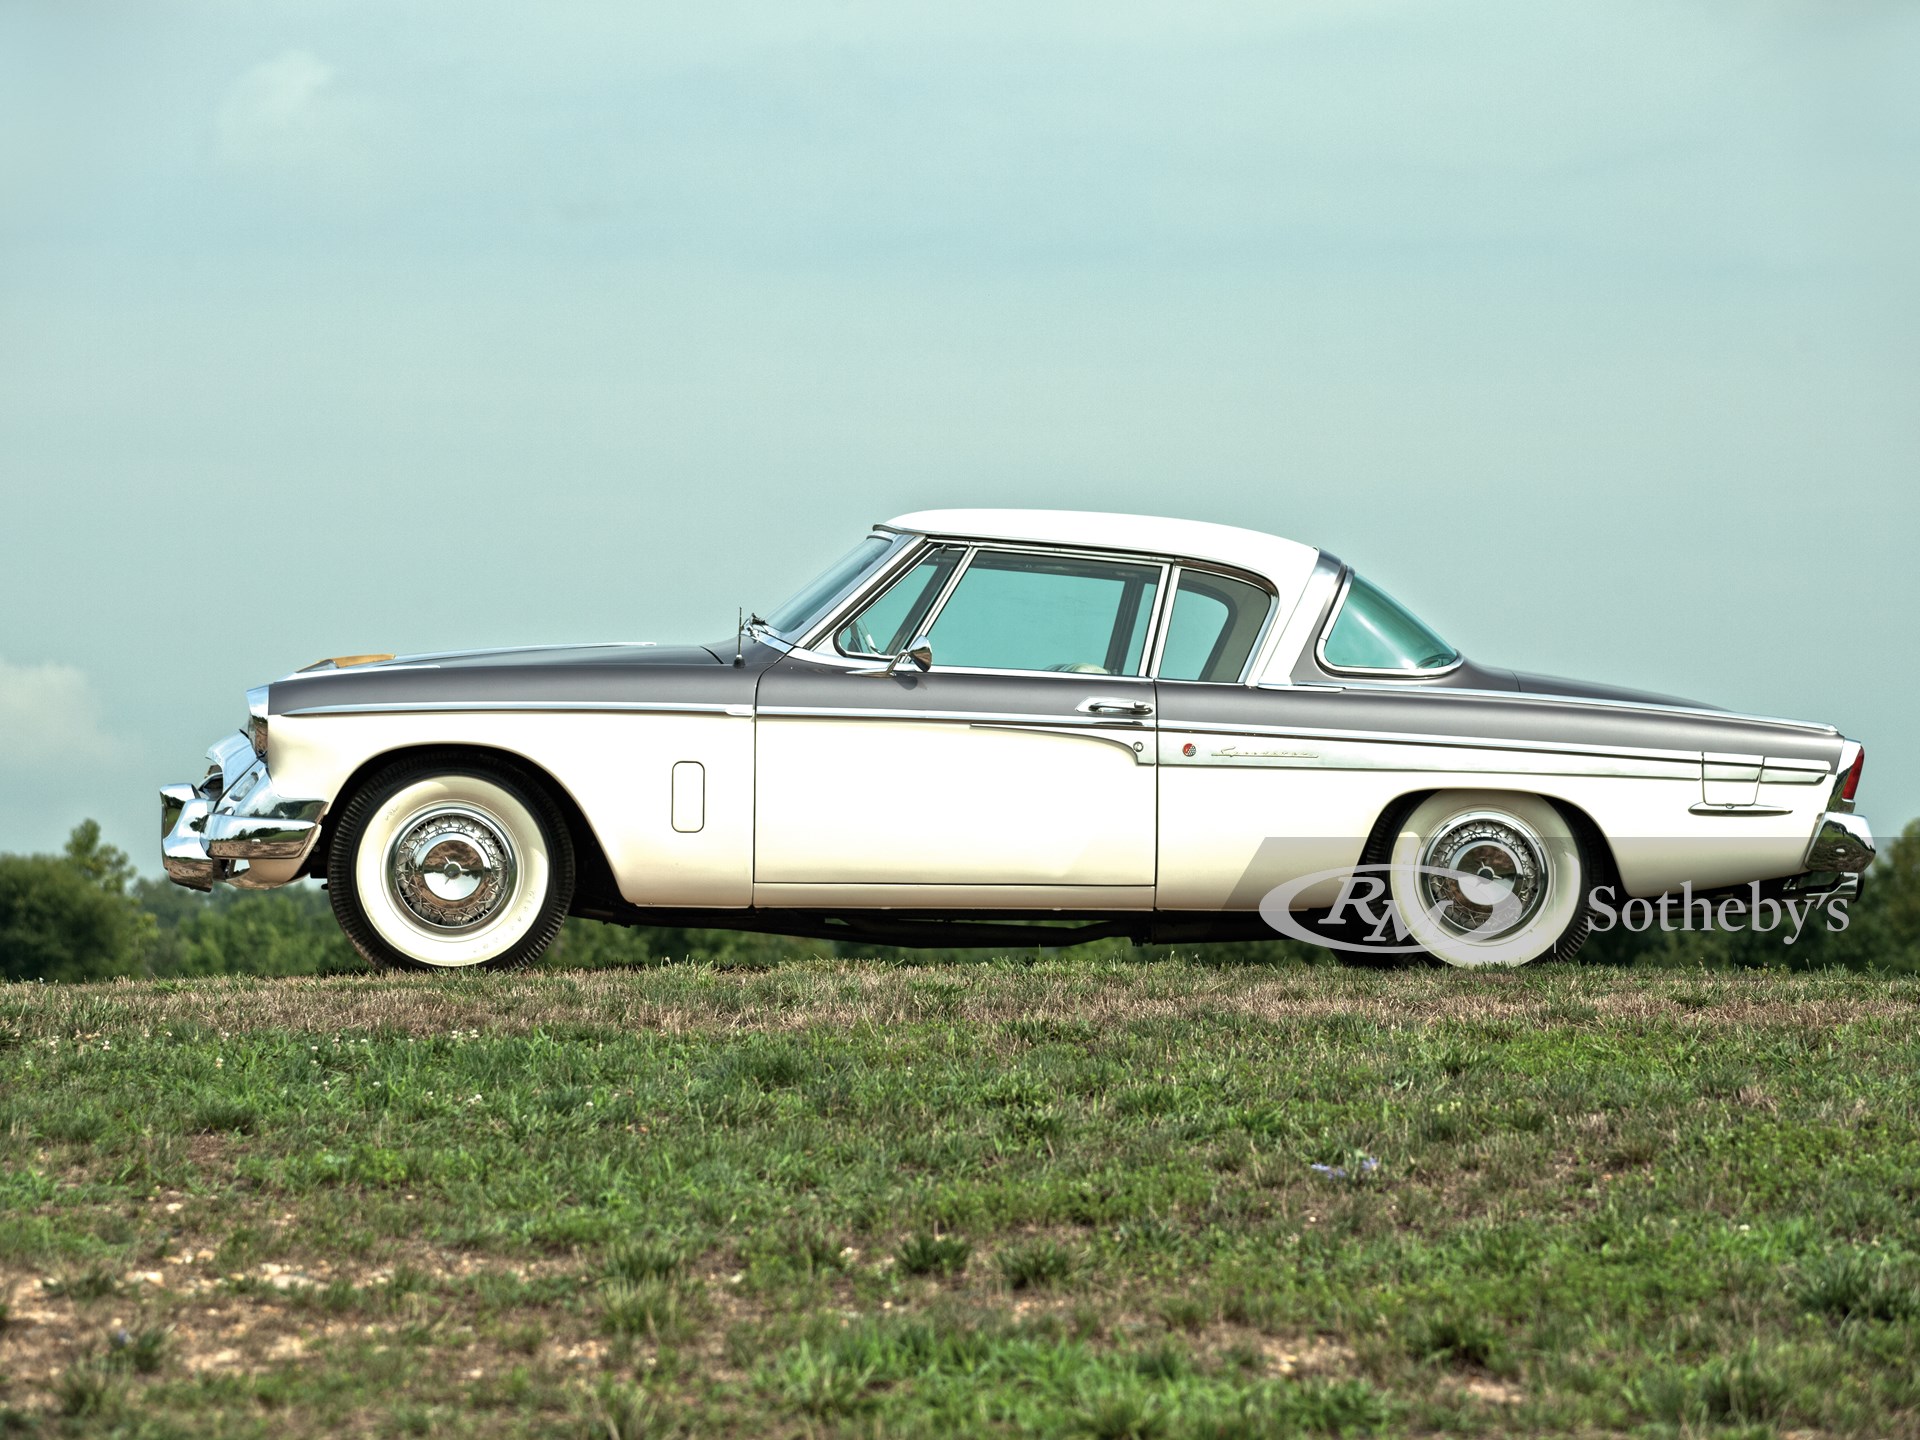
(568, 677)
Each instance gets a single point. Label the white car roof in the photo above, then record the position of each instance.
(1287, 563)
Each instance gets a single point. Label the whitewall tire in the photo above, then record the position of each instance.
(1488, 877)
(450, 864)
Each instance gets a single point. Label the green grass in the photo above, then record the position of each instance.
(1061, 1198)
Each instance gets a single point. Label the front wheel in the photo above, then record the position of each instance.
(1490, 878)
(450, 864)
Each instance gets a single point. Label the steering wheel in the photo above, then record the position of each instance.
(863, 637)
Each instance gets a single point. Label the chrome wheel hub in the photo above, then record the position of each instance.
(452, 867)
(1483, 876)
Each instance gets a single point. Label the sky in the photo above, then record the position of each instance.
(1592, 331)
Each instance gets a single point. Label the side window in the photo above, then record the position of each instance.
(892, 622)
(1214, 626)
(1036, 612)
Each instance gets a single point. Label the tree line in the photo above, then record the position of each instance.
(87, 914)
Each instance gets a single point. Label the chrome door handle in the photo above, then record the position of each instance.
(1106, 705)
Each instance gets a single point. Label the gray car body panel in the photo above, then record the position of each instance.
(559, 676)
(1471, 702)
(799, 686)
(1511, 718)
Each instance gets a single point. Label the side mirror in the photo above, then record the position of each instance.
(919, 655)
(920, 652)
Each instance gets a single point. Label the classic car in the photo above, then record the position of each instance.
(1008, 726)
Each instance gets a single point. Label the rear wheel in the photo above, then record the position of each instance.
(450, 864)
(1490, 878)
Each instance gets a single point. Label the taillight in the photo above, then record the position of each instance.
(1853, 774)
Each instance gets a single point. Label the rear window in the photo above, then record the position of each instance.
(1373, 631)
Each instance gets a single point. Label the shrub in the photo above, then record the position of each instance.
(654, 1308)
(59, 923)
(644, 1257)
(933, 1255)
(1035, 1264)
(1858, 1285)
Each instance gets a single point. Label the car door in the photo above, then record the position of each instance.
(1234, 816)
(1016, 772)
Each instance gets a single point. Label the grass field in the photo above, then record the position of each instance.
(1063, 1197)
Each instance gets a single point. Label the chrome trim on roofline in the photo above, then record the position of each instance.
(887, 575)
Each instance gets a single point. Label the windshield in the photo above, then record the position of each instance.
(1373, 631)
(816, 598)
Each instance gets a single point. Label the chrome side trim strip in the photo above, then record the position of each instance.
(1703, 808)
(1465, 742)
(1462, 692)
(1321, 754)
(447, 707)
(1143, 753)
(968, 717)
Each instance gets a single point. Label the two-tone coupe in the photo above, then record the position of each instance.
(1004, 726)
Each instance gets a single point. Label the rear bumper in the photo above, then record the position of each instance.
(1841, 844)
(234, 821)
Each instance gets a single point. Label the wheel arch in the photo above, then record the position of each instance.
(593, 875)
(1593, 840)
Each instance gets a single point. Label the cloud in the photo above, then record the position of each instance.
(289, 114)
(49, 717)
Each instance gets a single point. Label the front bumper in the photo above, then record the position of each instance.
(235, 825)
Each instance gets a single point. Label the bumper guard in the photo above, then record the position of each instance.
(1841, 843)
(217, 829)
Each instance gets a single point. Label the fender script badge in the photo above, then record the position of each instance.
(1233, 752)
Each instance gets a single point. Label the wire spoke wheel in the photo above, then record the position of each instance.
(1489, 878)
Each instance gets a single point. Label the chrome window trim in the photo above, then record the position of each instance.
(824, 633)
(1162, 613)
(885, 532)
(1333, 618)
(890, 570)
(814, 645)
(1251, 667)
(946, 588)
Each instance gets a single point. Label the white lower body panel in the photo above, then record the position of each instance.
(618, 768)
(944, 804)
